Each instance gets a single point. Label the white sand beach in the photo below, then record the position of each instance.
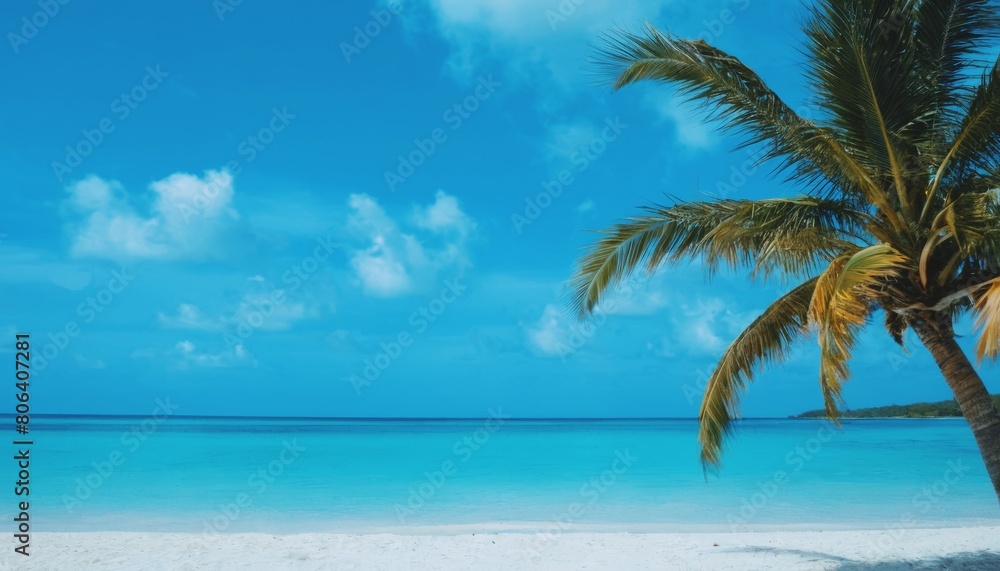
(968, 548)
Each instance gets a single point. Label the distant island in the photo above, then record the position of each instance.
(942, 409)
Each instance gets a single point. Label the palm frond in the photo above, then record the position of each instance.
(964, 228)
(948, 36)
(987, 311)
(840, 307)
(833, 332)
(867, 268)
(743, 103)
(862, 60)
(765, 341)
(978, 139)
(788, 235)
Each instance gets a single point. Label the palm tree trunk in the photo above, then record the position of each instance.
(937, 334)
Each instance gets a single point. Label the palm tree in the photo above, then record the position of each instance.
(899, 213)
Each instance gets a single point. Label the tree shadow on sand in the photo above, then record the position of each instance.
(971, 561)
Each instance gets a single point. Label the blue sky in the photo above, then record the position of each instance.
(335, 209)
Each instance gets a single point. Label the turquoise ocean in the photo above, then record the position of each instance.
(187, 474)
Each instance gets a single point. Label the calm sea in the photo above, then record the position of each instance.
(225, 475)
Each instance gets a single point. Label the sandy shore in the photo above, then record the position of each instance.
(970, 548)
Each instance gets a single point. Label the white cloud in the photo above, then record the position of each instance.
(393, 262)
(663, 347)
(444, 215)
(707, 326)
(690, 124)
(586, 206)
(683, 324)
(257, 308)
(187, 218)
(566, 140)
(188, 316)
(638, 294)
(189, 355)
(278, 316)
(635, 299)
(548, 46)
(551, 334)
(548, 41)
(381, 274)
(558, 330)
(93, 193)
(87, 363)
(700, 337)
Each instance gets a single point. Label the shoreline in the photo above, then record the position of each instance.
(968, 548)
(361, 527)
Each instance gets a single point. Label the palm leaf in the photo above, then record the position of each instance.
(840, 307)
(743, 103)
(947, 35)
(987, 310)
(862, 60)
(978, 139)
(765, 341)
(788, 235)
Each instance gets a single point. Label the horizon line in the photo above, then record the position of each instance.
(396, 418)
(262, 417)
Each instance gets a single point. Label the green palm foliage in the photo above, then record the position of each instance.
(898, 211)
